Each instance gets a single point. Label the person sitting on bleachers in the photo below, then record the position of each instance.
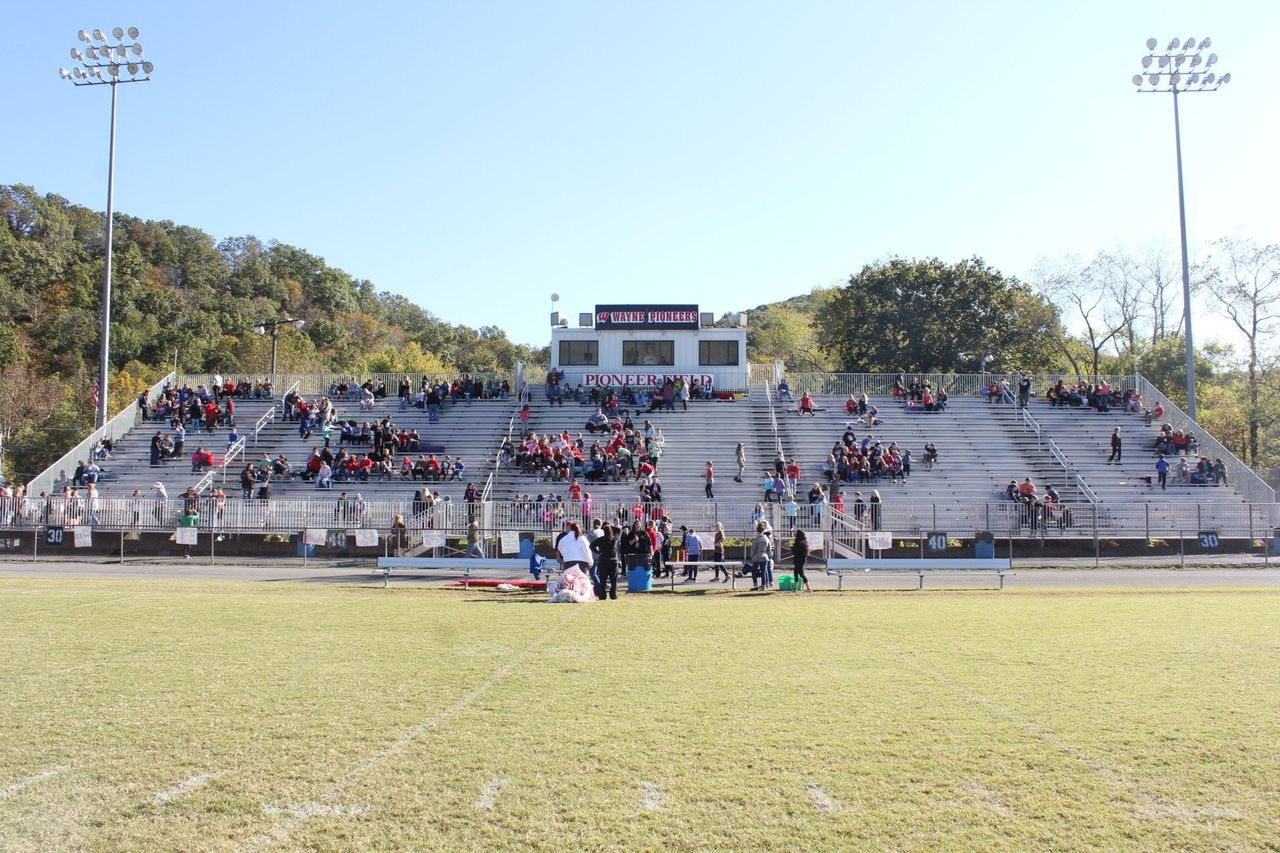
(1011, 491)
(851, 405)
(1181, 444)
(806, 405)
(928, 401)
(784, 390)
(1155, 414)
(597, 422)
(930, 456)
(1219, 473)
(201, 460)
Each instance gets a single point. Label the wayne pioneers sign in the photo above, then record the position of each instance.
(647, 317)
(642, 380)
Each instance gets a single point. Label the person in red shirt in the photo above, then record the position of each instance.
(806, 405)
(433, 467)
(575, 491)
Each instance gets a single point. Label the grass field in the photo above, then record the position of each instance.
(200, 716)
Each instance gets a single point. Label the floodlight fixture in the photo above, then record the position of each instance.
(107, 63)
(1168, 77)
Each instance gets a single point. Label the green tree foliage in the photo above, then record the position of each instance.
(920, 315)
(178, 290)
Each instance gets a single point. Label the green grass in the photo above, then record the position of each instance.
(937, 720)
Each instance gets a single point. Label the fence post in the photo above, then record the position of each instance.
(1250, 525)
(1182, 552)
(1147, 522)
(1096, 545)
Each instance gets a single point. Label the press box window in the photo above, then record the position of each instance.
(579, 353)
(717, 353)
(648, 353)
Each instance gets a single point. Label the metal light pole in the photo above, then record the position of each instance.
(273, 327)
(104, 63)
(1179, 70)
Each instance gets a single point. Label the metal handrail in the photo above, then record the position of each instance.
(205, 482)
(115, 429)
(232, 452)
(268, 417)
(488, 483)
(773, 419)
(1254, 487)
(1069, 471)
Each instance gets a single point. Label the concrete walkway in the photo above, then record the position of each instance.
(1234, 571)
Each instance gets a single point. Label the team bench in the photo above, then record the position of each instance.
(387, 564)
(732, 567)
(1000, 567)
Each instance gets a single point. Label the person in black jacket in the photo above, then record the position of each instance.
(605, 548)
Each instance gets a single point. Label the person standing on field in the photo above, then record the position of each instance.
(799, 555)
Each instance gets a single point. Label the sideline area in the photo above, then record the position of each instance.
(1223, 571)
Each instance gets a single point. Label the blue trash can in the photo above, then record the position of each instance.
(639, 579)
(984, 546)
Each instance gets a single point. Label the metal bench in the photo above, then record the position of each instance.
(732, 567)
(999, 566)
(467, 565)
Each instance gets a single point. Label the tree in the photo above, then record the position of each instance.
(1246, 286)
(786, 331)
(918, 315)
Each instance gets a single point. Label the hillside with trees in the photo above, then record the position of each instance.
(180, 293)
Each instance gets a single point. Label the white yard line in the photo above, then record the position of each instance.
(822, 801)
(490, 792)
(282, 830)
(307, 810)
(654, 799)
(1148, 804)
(23, 784)
(184, 787)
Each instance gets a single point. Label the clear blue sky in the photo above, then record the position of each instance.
(478, 156)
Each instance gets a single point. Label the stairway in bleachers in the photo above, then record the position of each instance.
(710, 429)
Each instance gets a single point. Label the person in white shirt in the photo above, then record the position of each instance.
(573, 547)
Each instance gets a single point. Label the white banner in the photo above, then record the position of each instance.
(366, 538)
(186, 536)
(84, 536)
(815, 540)
(881, 540)
(432, 539)
(510, 541)
(314, 536)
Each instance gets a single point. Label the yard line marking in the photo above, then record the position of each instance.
(184, 787)
(23, 784)
(1149, 805)
(88, 604)
(823, 801)
(307, 810)
(281, 831)
(988, 796)
(654, 796)
(490, 792)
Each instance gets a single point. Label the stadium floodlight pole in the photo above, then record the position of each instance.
(1181, 69)
(107, 62)
(273, 326)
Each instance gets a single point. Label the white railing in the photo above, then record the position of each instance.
(268, 417)
(315, 384)
(1069, 471)
(773, 420)
(114, 429)
(1246, 480)
(497, 460)
(1005, 519)
(233, 453)
(205, 482)
(845, 533)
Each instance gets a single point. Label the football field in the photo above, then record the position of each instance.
(197, 715)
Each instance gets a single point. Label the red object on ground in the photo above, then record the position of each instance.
(489, 582)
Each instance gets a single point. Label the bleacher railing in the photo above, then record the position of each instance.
(319, 384)
(268, 417)
(773, 419)
(1245, 479)
(1069, 471)
(114, 429)
(1004, 519)
(233, 453)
